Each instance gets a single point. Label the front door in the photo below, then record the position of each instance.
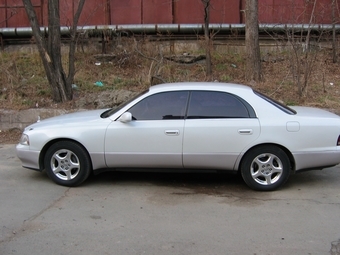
(153, 138)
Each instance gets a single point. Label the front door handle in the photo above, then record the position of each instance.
(172, 132)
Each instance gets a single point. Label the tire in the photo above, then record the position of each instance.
(265, 168)
(67, 163)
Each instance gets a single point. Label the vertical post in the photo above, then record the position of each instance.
(103, 43)
(2, 42)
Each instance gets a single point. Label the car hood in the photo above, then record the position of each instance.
(303, 111)
(69, 119)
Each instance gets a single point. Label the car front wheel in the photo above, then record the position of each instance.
(67, 163)
(265, 168)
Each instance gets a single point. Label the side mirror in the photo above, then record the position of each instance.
(125, 117)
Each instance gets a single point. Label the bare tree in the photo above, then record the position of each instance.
(50, 48)
(253, 62)
(335, 59)
(154, 76)
(304, 53)
(206, 4)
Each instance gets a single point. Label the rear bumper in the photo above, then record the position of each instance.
(316, 160)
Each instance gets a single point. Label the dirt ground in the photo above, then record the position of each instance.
(10, 136)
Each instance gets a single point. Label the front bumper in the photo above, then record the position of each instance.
(29, 158)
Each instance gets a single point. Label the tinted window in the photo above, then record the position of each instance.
(212, 104)
(162, 106)
(277, 104)
(114, 110)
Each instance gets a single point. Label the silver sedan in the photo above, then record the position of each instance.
(181, 126)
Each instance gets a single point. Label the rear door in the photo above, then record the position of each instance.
(218, 127)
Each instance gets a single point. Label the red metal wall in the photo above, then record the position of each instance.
(225, 11)
(94, 12)
(192, 11)
(296, 11)
(107, 12)
(125, 12)
(13, 14)
(188, 11)
(157, 12)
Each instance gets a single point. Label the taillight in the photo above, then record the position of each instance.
(338, 142)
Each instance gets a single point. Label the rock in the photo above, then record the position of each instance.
(186, 59)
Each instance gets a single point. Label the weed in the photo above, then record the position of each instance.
(225, 78)
(221, 67)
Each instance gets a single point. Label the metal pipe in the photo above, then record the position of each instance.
(170, 28)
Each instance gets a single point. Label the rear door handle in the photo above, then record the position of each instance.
(172, 132)
(245, 131)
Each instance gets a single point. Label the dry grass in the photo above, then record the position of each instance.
(23, 82)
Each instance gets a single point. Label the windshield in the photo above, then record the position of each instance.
(116, 109)
(277, 104)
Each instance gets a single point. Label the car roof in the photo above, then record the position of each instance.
(231, 87)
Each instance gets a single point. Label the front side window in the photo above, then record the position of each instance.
(214, 104)
(122, 105)
(161, 106)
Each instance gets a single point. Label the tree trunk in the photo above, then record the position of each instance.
(50, 49)
(335, 58)
(253, 61)
(54, 50)
(206, 4)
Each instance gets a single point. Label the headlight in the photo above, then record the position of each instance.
(24, 140)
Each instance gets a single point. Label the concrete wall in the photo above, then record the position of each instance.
(11, 119)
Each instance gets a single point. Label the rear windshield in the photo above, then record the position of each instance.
(277, 104)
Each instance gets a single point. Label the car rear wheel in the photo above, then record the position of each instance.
(265, 168)
(67, 163)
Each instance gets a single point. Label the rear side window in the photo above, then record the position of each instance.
(277, 104)
(214, 104)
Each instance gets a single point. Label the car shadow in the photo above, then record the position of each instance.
(312, 178)
(211, 183)
(205, 183)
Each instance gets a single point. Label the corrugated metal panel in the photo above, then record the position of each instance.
(188, 11)
(126, 11)
(107, 12)
(3, 13)
(94, 13)
(289, 11)
(295, 11)
(14, 21)
(221, 11)
(66, 12)
(157, 12)
(265, 10)
(225, 11)
(323, 12)
(13, 14)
